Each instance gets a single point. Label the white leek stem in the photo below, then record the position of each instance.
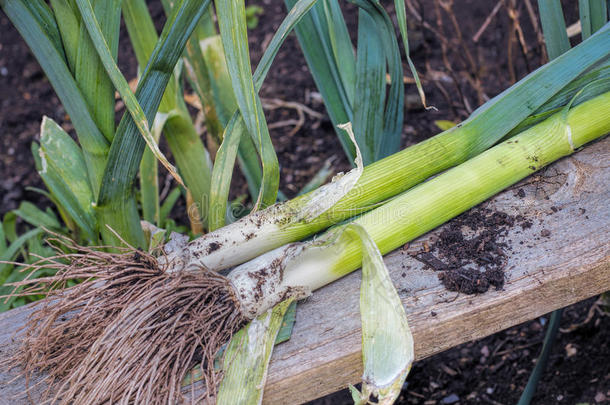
(304, 267)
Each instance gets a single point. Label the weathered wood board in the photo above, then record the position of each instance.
(543, 274)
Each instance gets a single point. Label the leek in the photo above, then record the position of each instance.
(147, 326)
(276, 226)
(302, 267)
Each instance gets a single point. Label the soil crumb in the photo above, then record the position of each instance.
(470, 254)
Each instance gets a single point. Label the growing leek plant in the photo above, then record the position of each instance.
(147, 311)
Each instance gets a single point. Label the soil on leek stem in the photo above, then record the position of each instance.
(489, 371)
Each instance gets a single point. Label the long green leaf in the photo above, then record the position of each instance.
(42, 15)
(225, 158)
(553, 27)
(90, 75)
(63, 171)
(593, 16)
(149, 177)
(209, 76)
(578, 91)
(377, 121)
(223, 171)
(116, 203)
(66, 12)
(401, 16)
(213, 58)
(247, 357)
(389, 142)
(144, 37)
(370, 87)
(189, 152)
(232, 24)
(168, 204)
(312, 33)
(199, 74)
(342, 47)
(43, 38)
(133, 106)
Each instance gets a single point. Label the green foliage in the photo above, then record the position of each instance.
(553, 27)
(252, 14)
(593, 16)
(354, 86)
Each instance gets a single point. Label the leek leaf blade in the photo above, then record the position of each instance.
(232, 23)
(69, 28)
(188, 150)
(246, 359)
(401, 16)
(121, 85)
(63, 170)
(89, 71)
(553, 27)
(36, 24)
(370, 87)
(116, 203)
(387, 342)
(225, 158)
(342, 47)
(223, 170)
(593, 16)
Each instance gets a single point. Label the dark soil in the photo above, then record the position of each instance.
(468, 253)
(458, 74)
(495, 370)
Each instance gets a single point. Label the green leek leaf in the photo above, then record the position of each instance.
(236, 129)
(593, 16)
(121, 85)
(553, 27)
(232, 23)
(89, 71)
(116, 204)
(342, 47)
(66, 12)
(387, 342)
(189, 152)
(36, 24)
(247, 356)
(63, 169)
(370, 87)
(401, 16)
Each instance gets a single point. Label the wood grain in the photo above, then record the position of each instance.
(543, 274)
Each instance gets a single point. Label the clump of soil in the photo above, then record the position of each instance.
(470, 253)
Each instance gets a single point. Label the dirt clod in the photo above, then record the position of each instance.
(470, 253)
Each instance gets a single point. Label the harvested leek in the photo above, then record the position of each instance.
(147, 327)
(284, 223)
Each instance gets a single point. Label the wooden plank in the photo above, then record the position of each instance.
(543, 274)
